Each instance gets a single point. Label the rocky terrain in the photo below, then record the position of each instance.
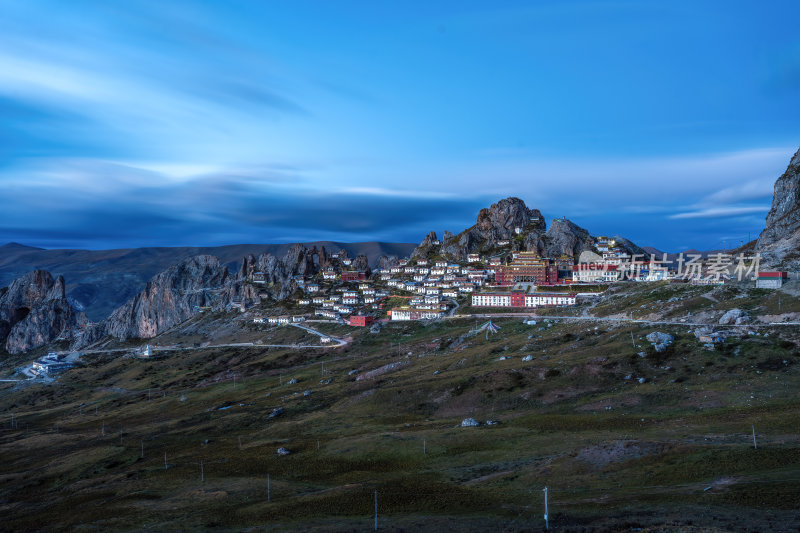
(779, 243)
(510, 219)
(99, 281)
(203, 283)
(34, 311)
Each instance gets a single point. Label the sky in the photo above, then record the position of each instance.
(127, 124)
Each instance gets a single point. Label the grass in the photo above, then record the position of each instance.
(615, 453)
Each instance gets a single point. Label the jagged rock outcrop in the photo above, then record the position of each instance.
(779, 243)
(170, 298)
(386, 262)
(525, 229)
(500, 222)
(34, 311)
(361, 263)
(564, 237)
(426, 246)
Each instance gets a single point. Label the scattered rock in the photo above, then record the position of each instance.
(469, 422)
(642, 380)
(660, 341)
(527, 358)
(284, 451)
(278, 411)
(492, 422)
(733, 316)
(293, 381)
(307, 393)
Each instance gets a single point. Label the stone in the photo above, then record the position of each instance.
(278, 411)
(284, 451)
(469, 422)
(527, 358)
(731, 316)
(660, 341)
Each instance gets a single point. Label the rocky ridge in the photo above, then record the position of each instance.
(202, 282)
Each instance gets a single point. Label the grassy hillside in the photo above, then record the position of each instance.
(622, 436)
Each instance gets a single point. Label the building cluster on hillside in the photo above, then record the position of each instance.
(429, 287)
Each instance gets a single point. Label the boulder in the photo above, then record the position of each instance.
(284, 451)
(660, 341)
(733, 316)
(469, 422)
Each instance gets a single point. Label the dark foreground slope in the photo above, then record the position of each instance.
(118, 443)
(99, 281)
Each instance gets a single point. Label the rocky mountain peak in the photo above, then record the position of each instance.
(501, 220)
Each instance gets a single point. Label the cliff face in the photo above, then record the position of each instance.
(564, 237)
(34, 311)
(779, 243)
(169, 298)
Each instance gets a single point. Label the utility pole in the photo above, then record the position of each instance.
(755, 446)
(546, 522)
(165, 460)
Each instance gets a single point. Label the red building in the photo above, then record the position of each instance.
(362, 321)
(517, 299)
(527, 267)
(353, 276)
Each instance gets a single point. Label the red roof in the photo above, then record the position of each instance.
(764, 274)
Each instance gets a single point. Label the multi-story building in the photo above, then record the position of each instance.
(407, 313)
(352, 275)
(594, 273)
(362, 321)
(528, 267)
(520, 299)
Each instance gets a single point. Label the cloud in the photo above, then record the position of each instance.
(722, 212)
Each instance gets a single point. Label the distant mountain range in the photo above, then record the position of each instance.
(99, 281)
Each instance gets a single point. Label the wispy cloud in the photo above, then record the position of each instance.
(722, 212)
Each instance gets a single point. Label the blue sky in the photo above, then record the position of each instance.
(204, 123)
